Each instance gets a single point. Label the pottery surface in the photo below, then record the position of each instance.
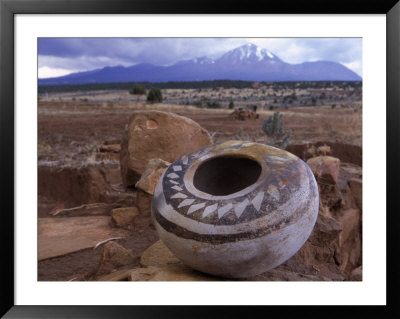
(235, 209)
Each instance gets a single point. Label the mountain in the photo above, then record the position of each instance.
(248, 63)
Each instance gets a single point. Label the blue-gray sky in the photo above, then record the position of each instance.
(60, 56)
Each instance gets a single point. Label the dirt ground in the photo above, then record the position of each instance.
(72, 170)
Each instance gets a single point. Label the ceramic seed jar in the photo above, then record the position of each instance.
(235, 209)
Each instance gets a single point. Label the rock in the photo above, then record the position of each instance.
(326, 171)
(311, 152)
(124, 217)
(351, 223)
(161, 265)
(355, 185)
(148, 181)
(320, 247)
(113, 148)
(113, 256)
(156, 134)
(324, 150)
(119, 275)
(143, 274)
(356, 274)
(151, 175)
(64, 235)
(158, 255)
(352, 169)
(325, 168)
(325, 231)
(143, 202)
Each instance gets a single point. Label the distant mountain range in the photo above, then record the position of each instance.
(248, 63)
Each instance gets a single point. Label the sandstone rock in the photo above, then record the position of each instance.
(352, 169)
(143, 202)
(151, 175)
(311, 152)
(155, 134)
(325, 231)
(64, 235)
(143, 274)
(351, 223)
(325, 168)
(113, 256)
(158, 255)
(355, 185)
(148, 181)
(123, 217)
(324, 150)
(320, 246)
(356, 274)
(161, 265)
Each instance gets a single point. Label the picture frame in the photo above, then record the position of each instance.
(8, 10)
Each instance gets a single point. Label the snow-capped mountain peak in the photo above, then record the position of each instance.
(248, 52)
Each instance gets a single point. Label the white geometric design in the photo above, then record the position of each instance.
(210, 209)
(239, 208)
(185, 160)
(186, 202)
(174, 182)
(172, 175)
(224, 209)
(193, 208)
(258, 200)
(179, 195)
(273, 191)
(177, 168)
(177, 188)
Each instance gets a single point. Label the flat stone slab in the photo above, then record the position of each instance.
(158, 255)
(162, 265)
(63, 235)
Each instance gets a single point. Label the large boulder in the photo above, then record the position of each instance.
(156, 134)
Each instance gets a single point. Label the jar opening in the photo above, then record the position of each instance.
(225, 175)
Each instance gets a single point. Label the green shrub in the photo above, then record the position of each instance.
(154, 96)
(138, 89)
(231, 105)
(274, 128)
(213, 105)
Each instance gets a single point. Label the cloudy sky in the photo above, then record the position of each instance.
(61, 56)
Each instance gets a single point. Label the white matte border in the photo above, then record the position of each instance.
(372, 290)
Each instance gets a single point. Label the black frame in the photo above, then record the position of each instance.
(10, 7)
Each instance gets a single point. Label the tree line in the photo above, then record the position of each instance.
(227, 84)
